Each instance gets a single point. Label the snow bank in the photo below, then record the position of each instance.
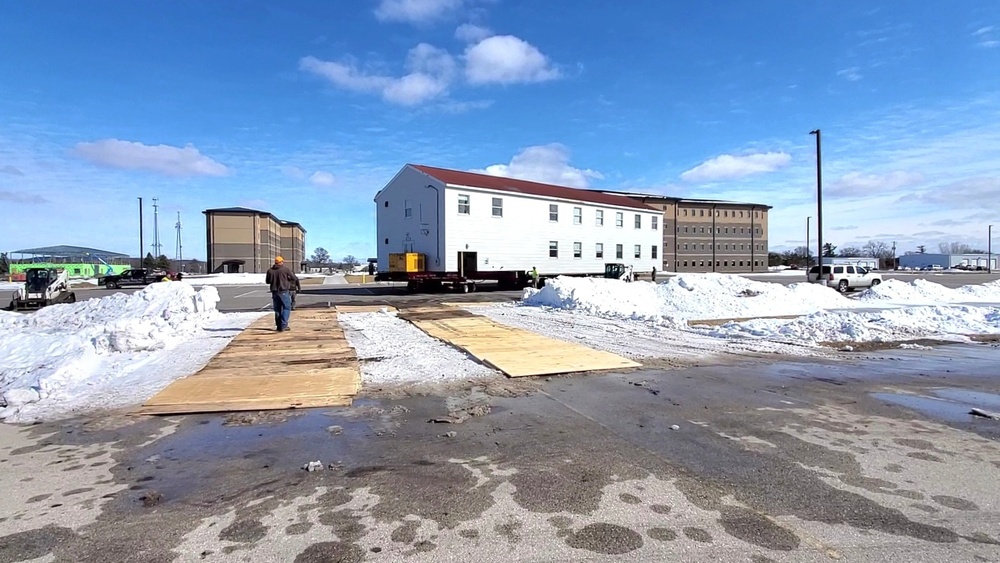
(81, 353)
(923, 292)
(883, 326)
(685, 297)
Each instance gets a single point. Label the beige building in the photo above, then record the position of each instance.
(248, 240)
(703, 235)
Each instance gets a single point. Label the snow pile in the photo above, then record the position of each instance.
(76, 352)
(923, 292)
(686, 297)
(890, 325)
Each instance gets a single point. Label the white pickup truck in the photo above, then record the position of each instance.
(845, 277)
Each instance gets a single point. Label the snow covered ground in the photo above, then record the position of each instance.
(646, 318)
(110, 352)
(393, 351)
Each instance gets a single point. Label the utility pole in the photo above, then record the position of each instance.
(989, 250)
(142, 246)
(893, 255)
(807, 243)
(179, 253)
(156, 229)
(819, 202)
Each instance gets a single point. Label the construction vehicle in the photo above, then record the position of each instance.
(621, 272)
(42, 287)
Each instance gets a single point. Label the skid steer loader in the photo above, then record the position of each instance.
(42, 287)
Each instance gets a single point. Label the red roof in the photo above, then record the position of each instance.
(473, 180)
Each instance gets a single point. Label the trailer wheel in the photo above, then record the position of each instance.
(472, 287)
(462, 287)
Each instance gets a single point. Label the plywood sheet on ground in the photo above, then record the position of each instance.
(310, 366)
(365, 308)
(516, 352)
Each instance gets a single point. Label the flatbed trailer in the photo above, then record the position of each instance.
(419, 282)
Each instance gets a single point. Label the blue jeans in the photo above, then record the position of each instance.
(282, 301)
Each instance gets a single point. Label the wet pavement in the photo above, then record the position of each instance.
(865, 459)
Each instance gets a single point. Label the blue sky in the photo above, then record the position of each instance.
(307, 111)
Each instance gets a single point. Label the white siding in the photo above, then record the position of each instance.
(520, 238)
(421, 231)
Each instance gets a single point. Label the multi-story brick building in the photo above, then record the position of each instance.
(248, 240)
(704, 235)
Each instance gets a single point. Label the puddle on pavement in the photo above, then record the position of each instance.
(949, 404)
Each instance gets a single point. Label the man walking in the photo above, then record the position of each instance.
(281, 281)
(534, 277)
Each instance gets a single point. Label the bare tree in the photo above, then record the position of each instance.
(849, 252)
(877, 249)
(958, 248)
(350, 261)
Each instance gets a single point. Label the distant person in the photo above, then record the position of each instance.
(281, 281)
(534, 277)
(296, 290)
(653, 275)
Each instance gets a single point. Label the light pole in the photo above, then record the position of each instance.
(819, 203)
(989, 250)
(807, 242)
(141, 248)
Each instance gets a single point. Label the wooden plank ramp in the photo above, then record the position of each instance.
(515, 352)
(261, 369)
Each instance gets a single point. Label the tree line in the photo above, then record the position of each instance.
(882, 251)
(321, 259)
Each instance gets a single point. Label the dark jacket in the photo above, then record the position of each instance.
(281, 278)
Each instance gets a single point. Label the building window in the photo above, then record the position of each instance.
(553, 213)
(600, 217)
(407, 209)
(655, 223)
(619, 219)
(701, 213)
(599, 250)
(755, 262)
(718, 230)
(577, 215)
(652, 252)
(685, 246)
(619, 251)
(553, 249)
(703, 230)
(741, 263)
(716, 214)
(685, 263)
(685, 213)
(701, 263)
(741, 231)
(727, 230)
(725, 214)
(703, 246)
(685, 229)
(741, 247)
(741, 216)
(638, 221)
(577, 250)
(638, 251)
(758, 231)
(498, 207)
(463, 204)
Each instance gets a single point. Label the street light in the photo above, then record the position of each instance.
(819, 204)
(989, 250)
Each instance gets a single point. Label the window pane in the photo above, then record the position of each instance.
(600, 217)
(553, 249)
(553, 212)
(619, 219)
(638, 221)
(463, 204)
(577, 250)
(652, 252)
(655, 223)
(577, 216)
(599, 253)
(638, 251)
(619, 251)
(498, 207)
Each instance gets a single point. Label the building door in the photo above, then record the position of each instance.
(468, 264)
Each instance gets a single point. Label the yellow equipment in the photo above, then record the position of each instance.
(407, 262)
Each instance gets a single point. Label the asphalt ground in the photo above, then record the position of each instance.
(872, 458)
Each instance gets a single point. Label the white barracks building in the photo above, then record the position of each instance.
(466, 222)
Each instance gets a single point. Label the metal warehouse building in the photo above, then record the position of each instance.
(248, 240)
(917, 261)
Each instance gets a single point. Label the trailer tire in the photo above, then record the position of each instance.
(463, 287)
(472, 287)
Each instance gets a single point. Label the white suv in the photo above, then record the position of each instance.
(845, 277)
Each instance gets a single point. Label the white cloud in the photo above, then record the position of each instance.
(970, 193)
(430, 71)
(416, 11)
(11, 170)
(988, 44)
(322, 179)
(544, 163)
(471, 33)
(164, 159)
(859, 184)
(983, 30)
(505, 59)
(729, 167)
(14, 197)
(853, 74)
